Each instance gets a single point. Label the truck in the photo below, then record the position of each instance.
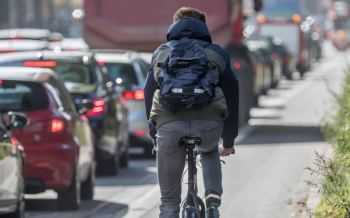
(142, 26)
(288, 21)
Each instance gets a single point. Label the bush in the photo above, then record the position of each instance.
(335, 202)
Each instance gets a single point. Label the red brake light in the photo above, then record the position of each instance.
(139, 95)
(128, 95)
(15, 145)
(14, 141)
(43, 64)
(134, 95)
(56, 126)
(140, 133)
(98, 109)
(101, 63)
(237, 65)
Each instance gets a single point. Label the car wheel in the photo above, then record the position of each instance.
(69, 199)
(149, 150)
(88, 186)
(124, 159)
(109, 167)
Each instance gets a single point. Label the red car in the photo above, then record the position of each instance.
(58, 141)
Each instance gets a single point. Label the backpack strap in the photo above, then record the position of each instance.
(160, 59)
(216, 59)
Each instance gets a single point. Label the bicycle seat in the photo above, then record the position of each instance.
(190, 141)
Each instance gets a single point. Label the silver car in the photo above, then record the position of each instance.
(129, 71)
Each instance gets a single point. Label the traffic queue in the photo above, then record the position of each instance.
(70, 113)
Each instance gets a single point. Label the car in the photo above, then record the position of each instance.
(58, 141)
(14, 45)
(30, 33)
(286, 21)
(129, 70)
(12, 202)
(261, 49)
(259, 68)
(69, 44)
(88, 83)
(34, 34)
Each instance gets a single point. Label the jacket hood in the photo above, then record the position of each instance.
(189, 27)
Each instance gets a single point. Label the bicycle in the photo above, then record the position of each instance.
(193, 206)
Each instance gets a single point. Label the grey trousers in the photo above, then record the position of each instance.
(171, 160)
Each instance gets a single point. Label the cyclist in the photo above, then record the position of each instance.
(209, 110)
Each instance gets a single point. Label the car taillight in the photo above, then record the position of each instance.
(134, 95)
(236, 65)
(98, 109)
(101, 63)
(14, 141)
(41, 64)
(56, 126)
(139, 133)
(14, 145)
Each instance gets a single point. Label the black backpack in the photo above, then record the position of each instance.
(187, 78)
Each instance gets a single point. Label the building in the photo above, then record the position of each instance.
(55, 15)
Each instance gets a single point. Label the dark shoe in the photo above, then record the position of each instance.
(212, 212)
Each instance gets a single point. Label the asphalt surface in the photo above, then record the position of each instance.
(261, 181)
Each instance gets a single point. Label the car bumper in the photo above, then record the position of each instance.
(49, 167)
(139, 144)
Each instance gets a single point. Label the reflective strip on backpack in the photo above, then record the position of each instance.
(177, 90)
(198, 91)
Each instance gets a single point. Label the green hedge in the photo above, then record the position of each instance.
(335, 201)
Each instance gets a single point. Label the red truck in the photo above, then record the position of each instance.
(142, 26)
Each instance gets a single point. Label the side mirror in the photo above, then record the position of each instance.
(84, 106)
(14, 120)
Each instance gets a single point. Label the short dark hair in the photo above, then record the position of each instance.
(189, 12)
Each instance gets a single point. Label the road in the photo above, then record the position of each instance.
(260, 181)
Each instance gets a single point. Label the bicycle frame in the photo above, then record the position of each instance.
(193, 205)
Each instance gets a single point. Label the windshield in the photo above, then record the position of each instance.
(281, 8)
(68, 72)
(123, 74)
(75, 73)
(22, 96)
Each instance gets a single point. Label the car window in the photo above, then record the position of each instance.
(281, 8)
(145, 68)
(11, 63)
(123, 73)
(64, 96)
(22, 96)
(74, 72)
(68, 72)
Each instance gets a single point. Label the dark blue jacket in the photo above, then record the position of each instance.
(196, 29)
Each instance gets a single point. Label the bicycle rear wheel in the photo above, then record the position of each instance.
(193, 208)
